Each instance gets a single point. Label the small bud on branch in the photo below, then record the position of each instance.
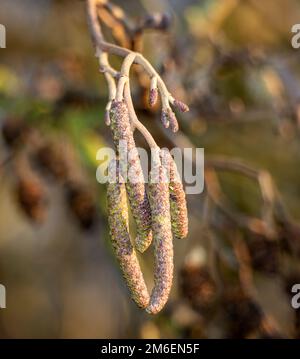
(153, 92)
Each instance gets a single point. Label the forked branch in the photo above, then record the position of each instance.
(121, 91)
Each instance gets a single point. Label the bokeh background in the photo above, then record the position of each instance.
(233, 63)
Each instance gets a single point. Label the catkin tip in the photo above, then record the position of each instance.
(182, 107)
(173, 121)
(168, 119)
(165, 119)
(142, 243)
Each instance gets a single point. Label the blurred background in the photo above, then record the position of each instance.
(233, 63)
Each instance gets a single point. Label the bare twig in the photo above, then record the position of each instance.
(121, 117)
(130, 58)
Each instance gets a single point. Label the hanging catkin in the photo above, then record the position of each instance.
(163, 245)
(135, 184)
(179, 214)
(120, 237)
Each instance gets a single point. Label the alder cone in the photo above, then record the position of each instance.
(50, 159)
(135, 183)
(14, 131)
(243, 314)
(198, 287)
(120, 237)
(32, 198)
(81, 203)
(163, 243)
(265, 254)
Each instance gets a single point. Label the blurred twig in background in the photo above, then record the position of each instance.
(232, 61)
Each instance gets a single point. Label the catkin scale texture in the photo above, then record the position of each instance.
(179, 214)
(120, 237)
(135, 185)
(163, 245)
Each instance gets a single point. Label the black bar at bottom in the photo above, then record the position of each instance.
(135, 348)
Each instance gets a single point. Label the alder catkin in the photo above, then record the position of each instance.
(135, 184)
(163, 245)
(168, 119)
(165, 119)
(173, 121)
(120, 237)
(182, 107)
(178, 205)
(153, 97)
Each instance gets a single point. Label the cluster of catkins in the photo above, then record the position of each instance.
(158, 208)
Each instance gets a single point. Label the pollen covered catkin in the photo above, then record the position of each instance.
(120, 237)
(135, 183)
(163, 245)
(178, 205)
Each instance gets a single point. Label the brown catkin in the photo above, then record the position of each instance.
(179, 214)
(120, 237)
(163, 245)
(137, 195)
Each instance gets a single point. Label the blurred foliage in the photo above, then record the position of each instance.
(232, 61)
